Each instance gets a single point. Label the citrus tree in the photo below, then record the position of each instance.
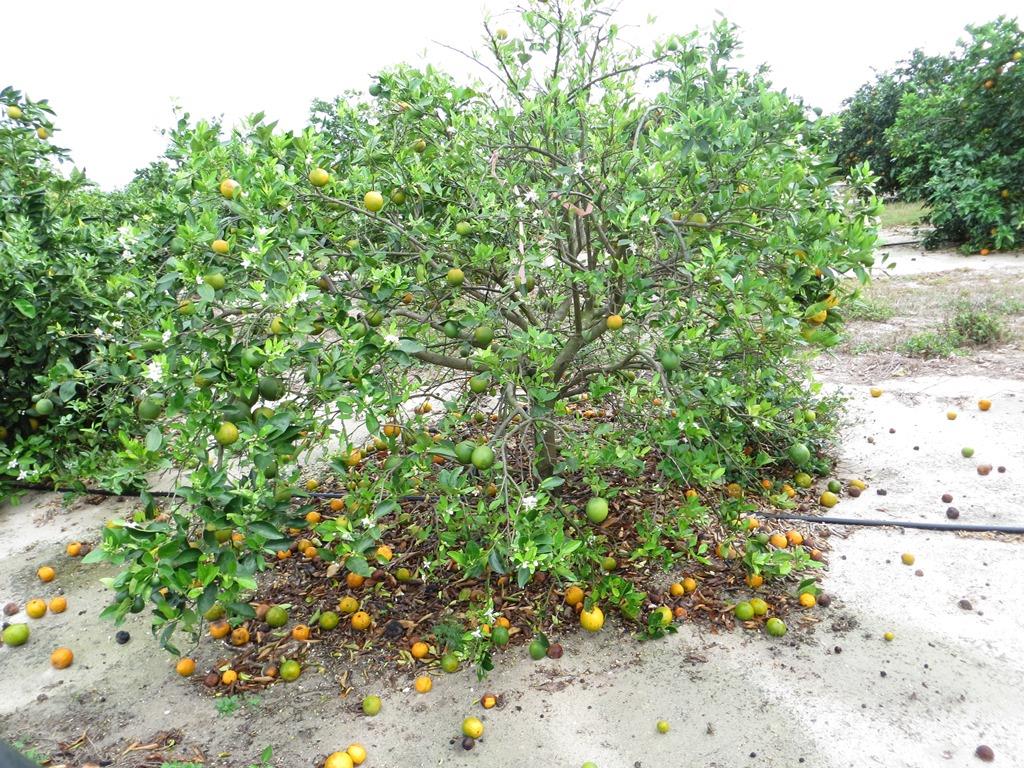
(420, 289)
(960, 142)
(868, 114)
(64, 376)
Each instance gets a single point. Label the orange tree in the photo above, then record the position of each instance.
(958, 141)
(417, 287)
(64, 275)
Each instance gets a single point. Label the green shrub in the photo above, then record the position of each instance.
(959, 142)
(929, 344)
(976, 325)
(67, 282)
(495, 233)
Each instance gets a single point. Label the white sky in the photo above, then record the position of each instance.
(113, 69)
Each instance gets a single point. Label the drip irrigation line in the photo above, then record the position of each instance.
(857, 521)
(872, 523)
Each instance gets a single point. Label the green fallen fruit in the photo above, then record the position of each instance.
(776, 627)
(371, 705)
(15, 635)
(597, 510)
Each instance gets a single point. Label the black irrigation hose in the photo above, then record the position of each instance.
(867, 522)
(159, 494)
(1017, 529)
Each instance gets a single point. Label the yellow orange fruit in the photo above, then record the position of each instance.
(677, 590)
(690, 584)
(58, 604)
(778, 540)
(300, 632)
(360, 620)
(424, 684)
(228, 676)
(795, 538)
(984, 405)
(239, 636)
(35, 609)
(62, 658)
(807, 600)
(348, 604)
(185, 667)
(592, 620)
(419, 650)
(46, 574)
(219, 630)
(573, 596)
(357, 753)
(339, 760)
(354, 580)
(75, 548)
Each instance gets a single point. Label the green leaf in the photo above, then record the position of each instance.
(154, 439)
(358, 565)
(410, 346)
(26, 308)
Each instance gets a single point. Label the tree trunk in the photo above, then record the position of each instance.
(547, 447)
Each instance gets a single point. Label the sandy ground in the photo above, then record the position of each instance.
(832, 693)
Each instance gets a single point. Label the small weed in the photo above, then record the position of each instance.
(866, 347)
(231, 704)
(32, 753)
(872, 310)
(1010, 306)
(929, 344)
(976, 325)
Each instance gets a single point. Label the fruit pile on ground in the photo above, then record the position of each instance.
(313, 611)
